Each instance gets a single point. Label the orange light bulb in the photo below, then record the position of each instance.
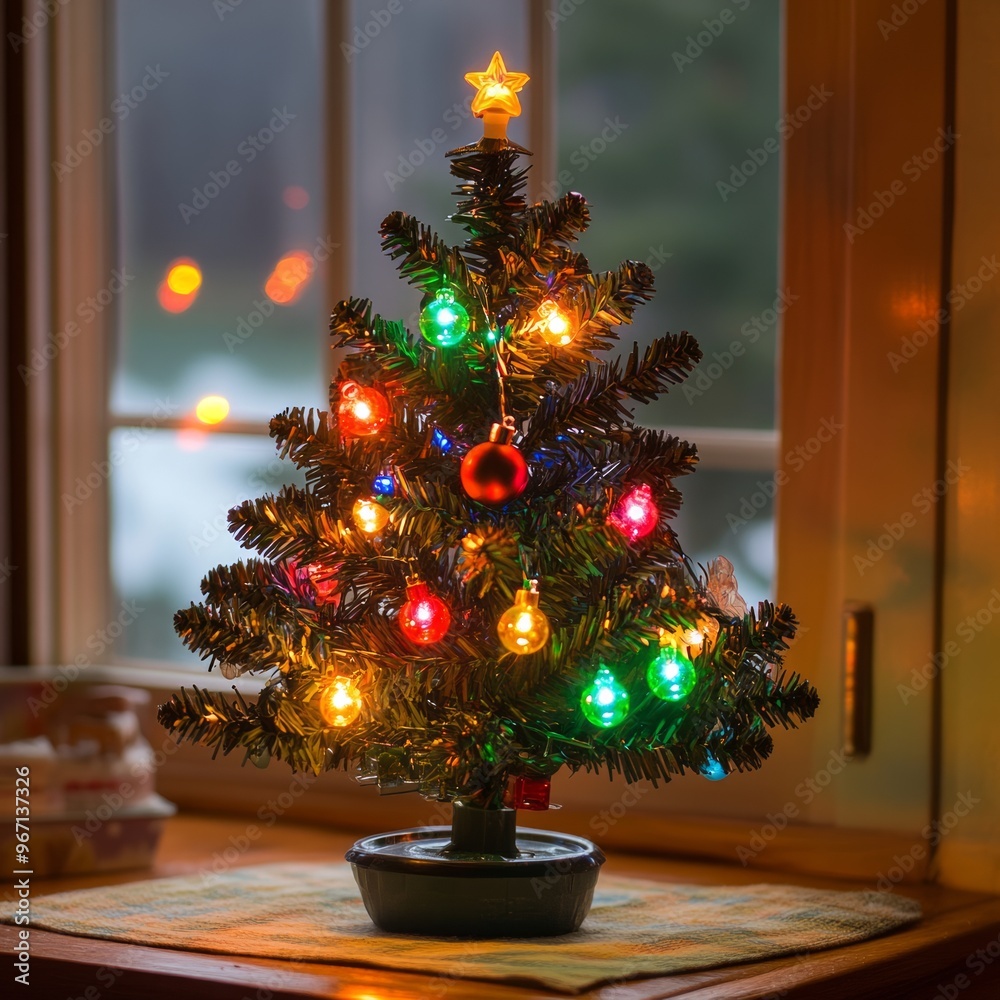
(369, 515)
(554, 325)
(341, 702)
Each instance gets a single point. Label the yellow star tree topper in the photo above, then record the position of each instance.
(496, 98)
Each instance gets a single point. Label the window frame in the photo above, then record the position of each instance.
(71, 591)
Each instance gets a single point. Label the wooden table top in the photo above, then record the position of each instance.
(935, 959)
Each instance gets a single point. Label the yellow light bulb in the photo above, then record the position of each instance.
(697, 638)
(341, 702)
(524, 628)
(369, 515)
(554, 325)
(692, 637)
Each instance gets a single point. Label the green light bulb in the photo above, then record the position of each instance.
(605, 701)
(444, 322)
(671, 676)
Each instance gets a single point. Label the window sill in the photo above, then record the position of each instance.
(909, 963)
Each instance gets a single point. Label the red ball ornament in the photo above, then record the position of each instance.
(362, 410)
(495, 472)
(424, 618)
(635, 515)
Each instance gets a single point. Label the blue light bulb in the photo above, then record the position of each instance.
(384, 485)
(441, 441)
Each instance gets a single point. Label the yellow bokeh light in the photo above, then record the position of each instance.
(212, 409)
(184, 277)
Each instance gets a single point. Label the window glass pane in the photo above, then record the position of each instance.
(731, 513)
(170, 493)
(220, 130)
(656, 110)
(411, 107)
(220, 138)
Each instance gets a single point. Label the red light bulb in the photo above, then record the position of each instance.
(424, 618)
(323, 584)
(635, 515)
(362, 410)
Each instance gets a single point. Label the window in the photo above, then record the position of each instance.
(836, 504)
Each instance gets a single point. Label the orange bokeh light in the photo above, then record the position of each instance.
(173, 302)
(290, 276)
(212, 409)
(295, 197)
(914, 304)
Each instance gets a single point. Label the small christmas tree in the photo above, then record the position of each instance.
(479, 583)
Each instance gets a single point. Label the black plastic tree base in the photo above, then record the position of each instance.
(482, 878)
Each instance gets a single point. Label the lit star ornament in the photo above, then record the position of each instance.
(496, 98)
